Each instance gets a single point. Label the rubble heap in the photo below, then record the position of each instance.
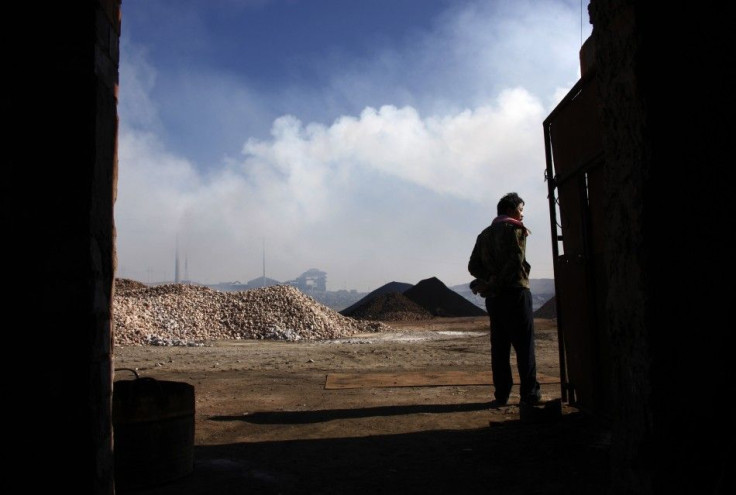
(183, 314)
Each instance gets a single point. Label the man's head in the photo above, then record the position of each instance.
(512, 205)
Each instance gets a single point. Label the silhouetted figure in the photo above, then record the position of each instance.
(498, 262)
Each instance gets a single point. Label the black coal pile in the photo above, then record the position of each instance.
(401, 301)
(440, 300)
(391, 306)
(389, 288)
(547, 310)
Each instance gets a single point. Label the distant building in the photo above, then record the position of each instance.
(261, 282)
(309, 281)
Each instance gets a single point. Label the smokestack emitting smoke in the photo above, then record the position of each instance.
(176, 262)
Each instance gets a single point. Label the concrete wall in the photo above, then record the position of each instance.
(666, 95)
(59, 170)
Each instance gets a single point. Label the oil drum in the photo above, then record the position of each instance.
(153, 428)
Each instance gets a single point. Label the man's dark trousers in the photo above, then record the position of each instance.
(512, 325)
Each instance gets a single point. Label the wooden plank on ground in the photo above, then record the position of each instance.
(335, 381)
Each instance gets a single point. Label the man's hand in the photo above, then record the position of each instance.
(480, 287)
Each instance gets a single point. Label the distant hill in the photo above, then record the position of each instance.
(345, 301)
(542, 285)
(542, 289)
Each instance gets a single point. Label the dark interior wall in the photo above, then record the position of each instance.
(59, 107)
(666, 91)
(623, 117)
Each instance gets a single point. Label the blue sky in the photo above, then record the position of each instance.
(369, 139)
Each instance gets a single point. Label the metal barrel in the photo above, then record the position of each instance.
(153, 427)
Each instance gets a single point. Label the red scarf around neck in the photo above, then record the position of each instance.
(511, 220)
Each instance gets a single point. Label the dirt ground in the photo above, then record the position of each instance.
(406, 411)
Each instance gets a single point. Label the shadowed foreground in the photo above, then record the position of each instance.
(564, 455)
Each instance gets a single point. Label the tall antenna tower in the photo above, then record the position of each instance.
(263, 281)
(176, 262)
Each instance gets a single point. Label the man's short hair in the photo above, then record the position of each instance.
(509, 202)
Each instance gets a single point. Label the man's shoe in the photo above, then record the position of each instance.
(499, 402)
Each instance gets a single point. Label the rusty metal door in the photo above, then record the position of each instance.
(576, 185)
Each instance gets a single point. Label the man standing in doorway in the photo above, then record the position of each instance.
(498, 262)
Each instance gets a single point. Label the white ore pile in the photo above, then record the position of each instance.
(183, 314)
